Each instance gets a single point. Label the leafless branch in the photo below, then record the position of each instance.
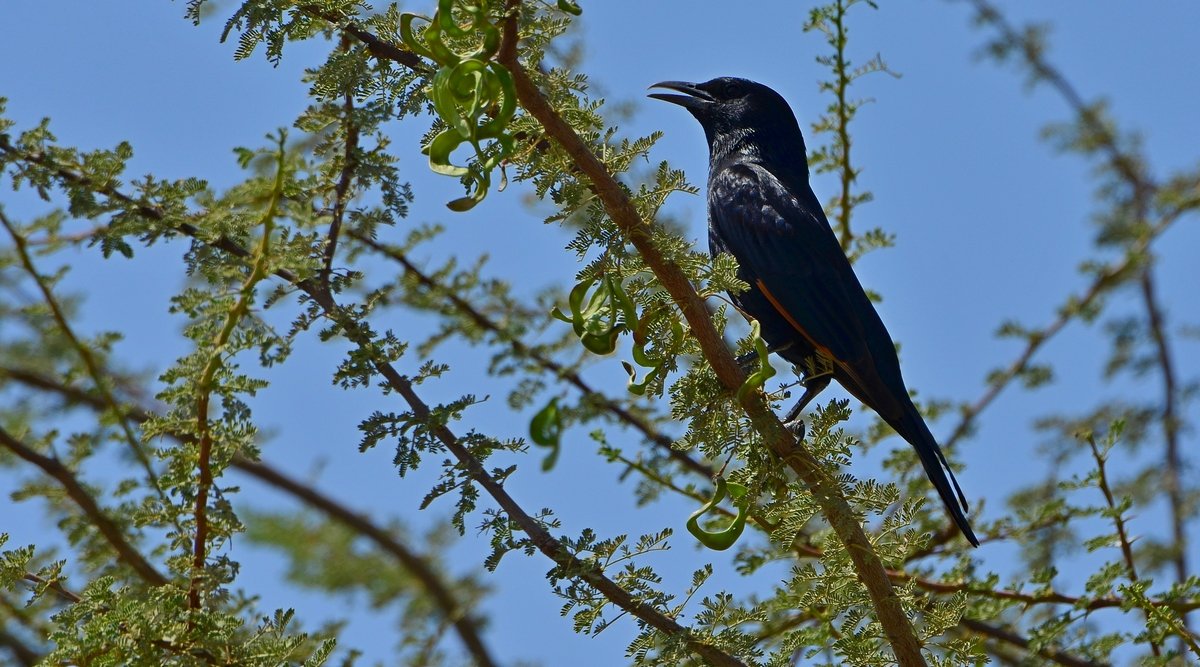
(1170, 425)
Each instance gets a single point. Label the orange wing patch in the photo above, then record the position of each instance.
(845, 366)
(792, 321)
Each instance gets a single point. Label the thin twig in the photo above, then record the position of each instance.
(341, 191)
(55, 586)
(1118, 521)
(1170, 426)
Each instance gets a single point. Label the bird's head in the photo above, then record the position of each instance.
(732, 110)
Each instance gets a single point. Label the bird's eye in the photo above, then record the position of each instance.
(730, 90)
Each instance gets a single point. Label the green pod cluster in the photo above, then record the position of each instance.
(472, 93)
(656, 364)
(721, 540)
(545, 430)
(759, 377)
(595, 316)
(599, 317)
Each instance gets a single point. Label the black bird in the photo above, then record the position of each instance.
(811, 308)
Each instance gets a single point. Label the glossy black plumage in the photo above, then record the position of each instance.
(803, 291)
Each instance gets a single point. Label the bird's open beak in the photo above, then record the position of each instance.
(693, 97)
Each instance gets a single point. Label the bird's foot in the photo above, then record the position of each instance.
(796, 426)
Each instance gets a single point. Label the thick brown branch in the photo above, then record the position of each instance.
(541, 539)
(545, 542)
(621, 210)
(200, 511)
(75, 491)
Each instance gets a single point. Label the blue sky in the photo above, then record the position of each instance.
(990, 222)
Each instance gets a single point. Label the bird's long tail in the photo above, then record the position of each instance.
(917, 434)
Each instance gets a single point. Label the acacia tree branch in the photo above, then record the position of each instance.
(55, 586)
(888, 607)
(541, 539)
(1130, 169)
(836, 509)
(538, 535)
(90, 363)
(342, 191)
(466, 625)
(1118, 521)
(1106, 281)
(205, 384)
(1170, 426)
(1125, 164)
(380, 48)
(348, 517)
(524, 351)
(846, 174)
(1027, 599)
(84, 500)
(1050, 653)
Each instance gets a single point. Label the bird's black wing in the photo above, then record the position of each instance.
(785, 245)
